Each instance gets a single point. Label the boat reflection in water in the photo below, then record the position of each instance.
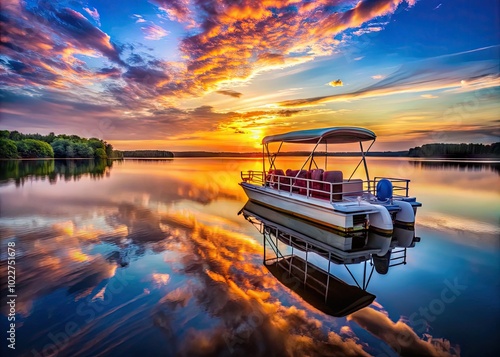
(304, 255)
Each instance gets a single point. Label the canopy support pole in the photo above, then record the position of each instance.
(363, 157)
(326, 155)
(272, 158)
(359, 163)
(264, 164)
(362, 160)
(310, 156)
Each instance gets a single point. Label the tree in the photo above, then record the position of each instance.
(50, 138)
(15, 135)
(8, 149)
(83, 150)
(96, 144)
(70, 150)
(30, 148)
(109, 149)
(100, 153)
(60, 146)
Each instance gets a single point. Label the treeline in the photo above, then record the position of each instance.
(15, 145)
(285, 153)
(147, 153)
(456, 150)
(215, 154)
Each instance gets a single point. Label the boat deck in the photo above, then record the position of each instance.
(327, 186)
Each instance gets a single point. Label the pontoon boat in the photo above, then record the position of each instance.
(326, 197)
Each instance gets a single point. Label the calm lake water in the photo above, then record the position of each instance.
(150, 258)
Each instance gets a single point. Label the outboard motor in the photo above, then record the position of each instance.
(382, 263)
(384, 190)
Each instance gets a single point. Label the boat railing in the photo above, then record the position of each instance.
(398, 185)
(334, 191)
(253, 176)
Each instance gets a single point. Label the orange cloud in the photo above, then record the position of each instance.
(230, 93)
(242, 298)
(160, 279)
(236, 38)
(177, 10)
(232, 44)
(337, 83)
(400, 336)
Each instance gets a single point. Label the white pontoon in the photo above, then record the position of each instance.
(325, 197)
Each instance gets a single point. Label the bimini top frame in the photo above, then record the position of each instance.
(332, 135)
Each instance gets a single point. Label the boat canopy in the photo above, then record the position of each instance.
(332, 135)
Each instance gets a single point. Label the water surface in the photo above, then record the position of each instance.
(138, 257)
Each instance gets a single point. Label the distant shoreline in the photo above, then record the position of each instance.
(482, 160)
(427, 151)
(187, 155)
(290, 153)
(402, 154)
(15, 145)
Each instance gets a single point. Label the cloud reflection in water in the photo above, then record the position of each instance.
(196, 287)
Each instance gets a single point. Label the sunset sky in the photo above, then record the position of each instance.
(221, 74)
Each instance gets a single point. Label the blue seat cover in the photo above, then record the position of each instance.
(384, 190)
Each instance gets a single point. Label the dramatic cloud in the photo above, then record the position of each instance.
(94, 14)
(240, 298)
(154, 32)
(401, 337)
(230, 93)
(177, 10)
(236, 37)
(44, 44)
(59, 260)
(337, 83)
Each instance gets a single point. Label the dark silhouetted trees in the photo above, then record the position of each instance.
(148, 153)
(456, 150)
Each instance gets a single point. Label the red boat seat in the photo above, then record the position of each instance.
(272, 177)
(332, 177)
(316, 187)
(298, 184)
